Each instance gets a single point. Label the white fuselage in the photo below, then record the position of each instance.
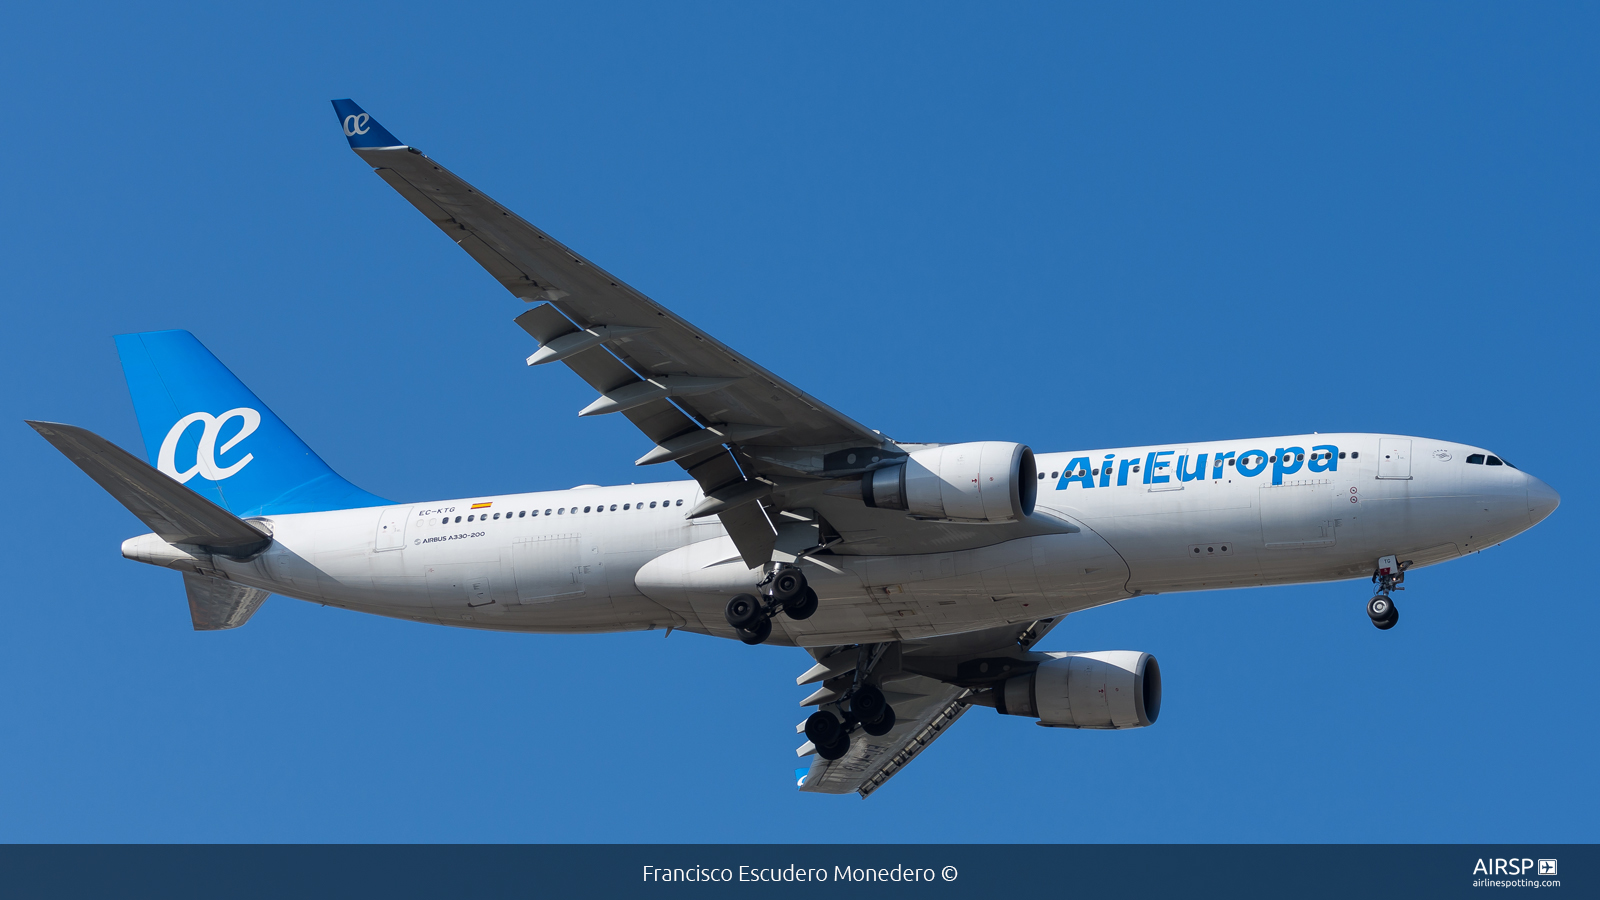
(1141, 520)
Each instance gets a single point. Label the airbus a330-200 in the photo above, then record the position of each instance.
(919, 577)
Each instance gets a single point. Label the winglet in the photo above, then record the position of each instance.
(362, 129)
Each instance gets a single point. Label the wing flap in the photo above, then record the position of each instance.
(660, 420)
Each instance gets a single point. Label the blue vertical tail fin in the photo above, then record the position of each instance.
(204, 428)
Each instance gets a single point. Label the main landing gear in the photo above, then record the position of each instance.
(783, 590)
(1387, 577)
(864, 707)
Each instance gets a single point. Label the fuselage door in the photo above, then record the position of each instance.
(1394, 458)
(548, 567)
(392, 528)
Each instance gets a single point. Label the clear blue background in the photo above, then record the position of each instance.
(1069, 227)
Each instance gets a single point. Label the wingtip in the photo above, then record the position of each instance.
(360, 128)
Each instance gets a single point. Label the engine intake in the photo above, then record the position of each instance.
(1102, 689)
(981, 481)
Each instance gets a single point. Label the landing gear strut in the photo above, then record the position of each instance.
(1387, 577)
(783, 590)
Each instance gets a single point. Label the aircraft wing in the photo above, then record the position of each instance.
(926, 683)
(687, 391)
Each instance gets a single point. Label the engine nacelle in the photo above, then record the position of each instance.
(981, 481)
(1102, 689)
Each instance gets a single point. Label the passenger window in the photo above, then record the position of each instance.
(586, 509)
(1230, 462)
(626, 505)
(1354, 455)
(652, 504)
(1052, 475)
(523, 514)
(679, 503)
(613, 507)
(561, 511)
(1475, 459)
(458, 520)
(1495, 461)
(1136, 468)
(1298, 457)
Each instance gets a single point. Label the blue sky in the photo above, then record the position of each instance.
(1068, 226)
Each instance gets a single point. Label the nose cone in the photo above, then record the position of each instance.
(1542, 501)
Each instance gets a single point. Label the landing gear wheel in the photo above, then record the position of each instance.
(825, 732)
(867, 705)
(837, 750)
(802, 606)
(823, 728)
(758, 634)
(882, 726)
(744, 611)
(1387, 622)
(788, 584)
(1379, 607)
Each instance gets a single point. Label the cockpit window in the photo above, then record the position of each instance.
(1495, 461)
(1476, 459)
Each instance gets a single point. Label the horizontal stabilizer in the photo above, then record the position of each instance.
(175, 513)
(215, 605)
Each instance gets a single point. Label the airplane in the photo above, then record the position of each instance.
(919, 577)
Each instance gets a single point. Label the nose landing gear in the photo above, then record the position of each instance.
(1387, 577)
(1383, 612)
(783, 590)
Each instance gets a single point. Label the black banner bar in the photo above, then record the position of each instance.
(581, 870)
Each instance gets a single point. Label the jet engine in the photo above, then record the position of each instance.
(982, 481)
(1102, 689)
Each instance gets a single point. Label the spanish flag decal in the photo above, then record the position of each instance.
(482, 505)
